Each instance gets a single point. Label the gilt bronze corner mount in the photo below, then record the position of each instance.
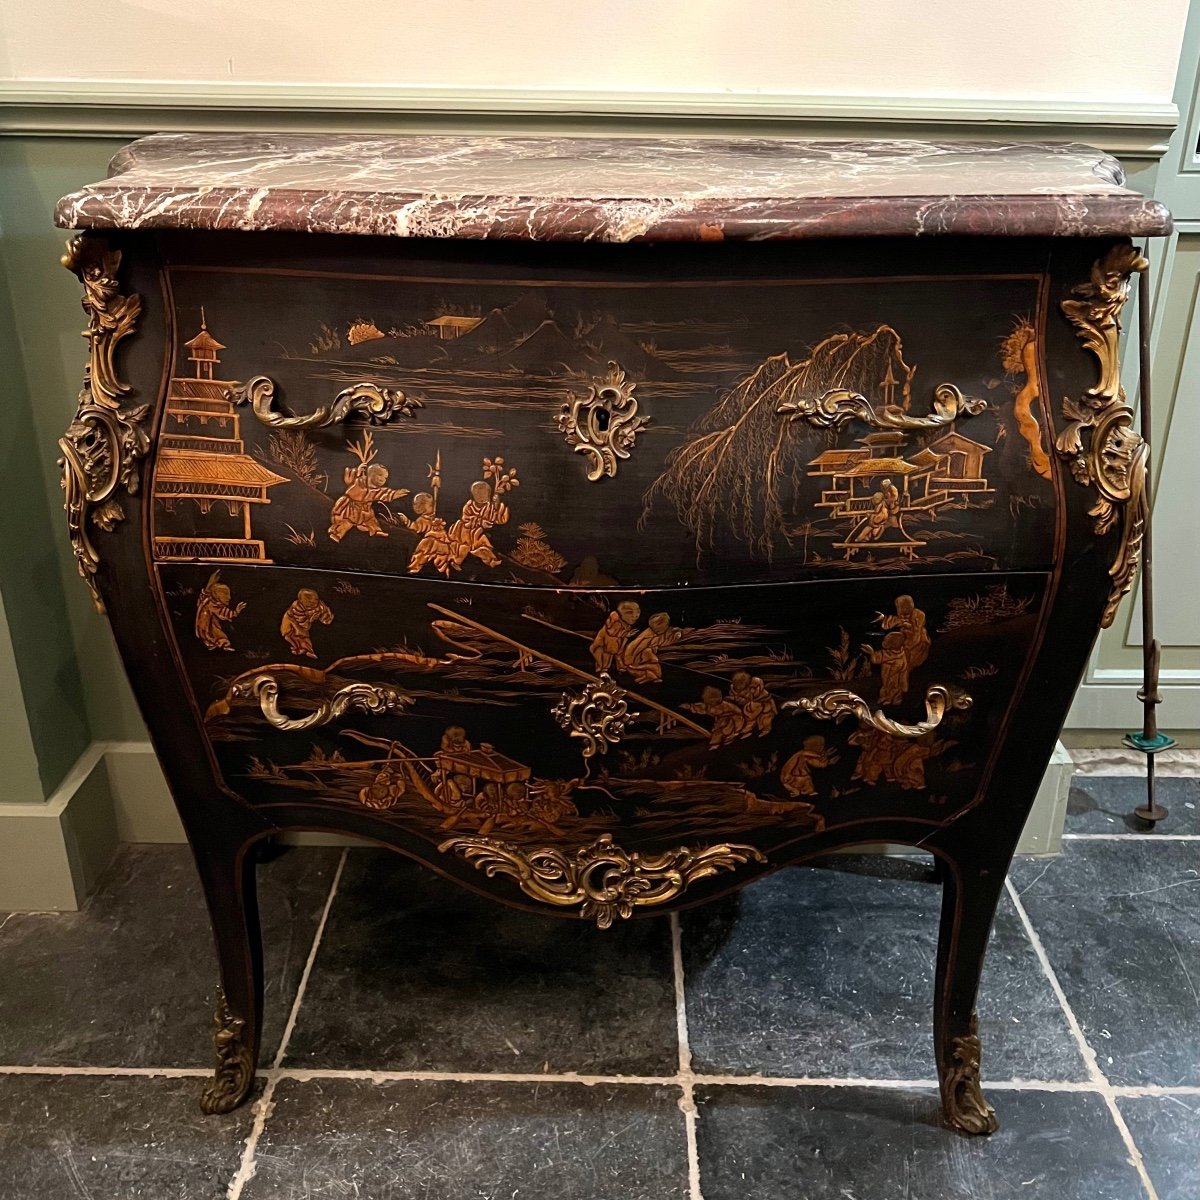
(104, 443)
(1113, 459)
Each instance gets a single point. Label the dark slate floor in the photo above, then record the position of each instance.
(445, 1049)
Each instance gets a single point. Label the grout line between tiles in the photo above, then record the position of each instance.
(687, 1100)
(249, 1164)
(149, 1072)
(1131, 837)
(307, 1074)
(310, 1074)
(302, 987)
(1099, 1079)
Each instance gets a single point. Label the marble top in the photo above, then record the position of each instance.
(611, 189)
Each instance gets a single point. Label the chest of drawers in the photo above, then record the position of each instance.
(605, 523)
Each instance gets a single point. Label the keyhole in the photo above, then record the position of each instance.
(600, 417)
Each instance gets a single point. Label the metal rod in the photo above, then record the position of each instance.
(1151, 741)
(1149, 645)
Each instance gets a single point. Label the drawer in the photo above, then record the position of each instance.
(472, 715)
(632, 427)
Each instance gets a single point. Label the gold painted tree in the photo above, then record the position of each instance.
(534, 552)
(745, 463)
(1019, 353)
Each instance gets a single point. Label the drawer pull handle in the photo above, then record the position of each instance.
(604, 424)
(603, 879)
(836, 407)
(378, 404)
(365, 697)
(841, 702)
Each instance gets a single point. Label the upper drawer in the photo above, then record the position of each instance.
(627, 426)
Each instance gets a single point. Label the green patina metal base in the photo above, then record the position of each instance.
(1151, 745)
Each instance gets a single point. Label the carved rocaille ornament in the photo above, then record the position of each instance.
(378, 404)
(837, 407)
(104, 443)
(235, 1062)
(602, 879)
(841, 702)
(962, 1097)
(604, 424)
(1112, 457)
(597, 715)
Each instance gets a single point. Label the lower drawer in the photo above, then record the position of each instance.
(476, 714)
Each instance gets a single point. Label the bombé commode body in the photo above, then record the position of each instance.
(606, 523)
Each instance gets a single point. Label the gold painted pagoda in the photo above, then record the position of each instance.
(203, 459)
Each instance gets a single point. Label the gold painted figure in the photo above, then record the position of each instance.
(910, 762)
(550, 803)
(385, 790)
(434, 545)
(878, 752)
(355, 508)
(296, 626)
(757, 705)
(212, 608)
(728, 719)
(895, 760)
(910, 621)
(796, 773)
(885, 513)
(892, 661)
(639, 655)
(468, 535)
(609, 643)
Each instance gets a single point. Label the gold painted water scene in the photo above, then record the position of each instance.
(559, 717)
(558, 435)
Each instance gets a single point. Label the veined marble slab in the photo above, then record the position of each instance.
(612, 189)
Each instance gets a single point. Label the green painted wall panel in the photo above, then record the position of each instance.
(71, 682)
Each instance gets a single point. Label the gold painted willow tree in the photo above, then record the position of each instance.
(741, 470)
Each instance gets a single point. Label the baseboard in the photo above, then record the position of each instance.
(142, 804)
(51, 854)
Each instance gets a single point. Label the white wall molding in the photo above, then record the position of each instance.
(1108, 700)
(130, 108)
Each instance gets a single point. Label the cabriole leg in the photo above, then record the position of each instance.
(969, 898)
(228, 877)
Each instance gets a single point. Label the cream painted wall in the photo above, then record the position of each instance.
(1108, 52)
